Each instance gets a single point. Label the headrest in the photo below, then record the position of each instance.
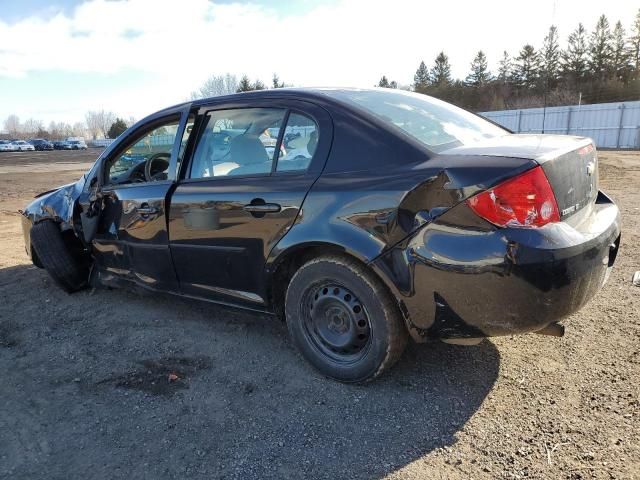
(246, 150)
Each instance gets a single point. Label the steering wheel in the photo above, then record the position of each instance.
(155, 166)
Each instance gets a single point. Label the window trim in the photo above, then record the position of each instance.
(303, 171)
(177, 168)
(276, 153)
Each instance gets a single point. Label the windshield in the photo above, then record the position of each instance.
(436, 124)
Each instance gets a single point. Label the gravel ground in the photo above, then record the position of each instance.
(112, 384)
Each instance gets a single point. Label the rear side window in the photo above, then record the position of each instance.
(437, 124)
(299, 143)
(237, 142)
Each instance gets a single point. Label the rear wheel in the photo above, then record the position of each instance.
(68, 271)
(343, 320)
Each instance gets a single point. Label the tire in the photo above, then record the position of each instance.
(343, 320)
(56, 258)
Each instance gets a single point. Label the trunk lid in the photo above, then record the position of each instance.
(570, 164)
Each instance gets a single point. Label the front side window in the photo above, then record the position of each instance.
(237, 142)
(145, 159)
(299, 143)
(436, 124)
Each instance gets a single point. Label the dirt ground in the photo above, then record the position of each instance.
(112, 384)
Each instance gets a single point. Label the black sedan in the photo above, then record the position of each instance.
(41, 144)
(62, 145)
(361, 217)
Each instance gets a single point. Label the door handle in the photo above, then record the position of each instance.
(145, 209)
(263, 208)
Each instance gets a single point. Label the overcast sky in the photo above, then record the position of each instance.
(60, 58)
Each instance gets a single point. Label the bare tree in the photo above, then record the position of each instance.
(78, 129)
(59, 130)
(31, 127)
(12, 125)
(217, 85)
(98, 122)
(93, 123)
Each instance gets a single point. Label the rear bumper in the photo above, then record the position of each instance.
(457, 281)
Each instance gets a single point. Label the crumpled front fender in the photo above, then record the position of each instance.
(55, 205)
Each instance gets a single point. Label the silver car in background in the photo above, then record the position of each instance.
(22, 146)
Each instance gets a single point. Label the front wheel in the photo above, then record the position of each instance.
(68, 271)
(343, 320)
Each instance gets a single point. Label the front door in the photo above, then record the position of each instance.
(249, 173)
(131, 239)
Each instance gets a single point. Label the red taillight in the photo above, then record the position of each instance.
(524, 201)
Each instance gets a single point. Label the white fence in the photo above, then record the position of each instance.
(610, 125)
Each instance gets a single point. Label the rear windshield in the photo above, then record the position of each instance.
(436, 124)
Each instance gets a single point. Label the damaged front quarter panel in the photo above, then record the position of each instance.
(57, 205)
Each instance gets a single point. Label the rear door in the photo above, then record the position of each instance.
(251, 168)
(126, 222)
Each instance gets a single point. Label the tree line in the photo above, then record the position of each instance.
(601, 65)
(97, 124)
(228, 84)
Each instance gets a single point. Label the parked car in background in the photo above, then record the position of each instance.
(23, 146)
(77, 144)
(41, 144)
(62, 145)
(387, 215)
(7, 146)
(101, 142)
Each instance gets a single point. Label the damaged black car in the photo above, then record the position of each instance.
(361, 217)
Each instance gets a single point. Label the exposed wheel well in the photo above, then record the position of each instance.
(293, 261)
(76, 247)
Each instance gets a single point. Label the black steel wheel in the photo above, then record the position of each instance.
(336, 322)
(343, 320)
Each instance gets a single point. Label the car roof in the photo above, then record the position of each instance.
(298, 93)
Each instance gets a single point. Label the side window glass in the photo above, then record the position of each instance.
(299, 143)
(237, 142)
(145, 159)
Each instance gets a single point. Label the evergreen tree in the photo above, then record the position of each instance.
(117, 128)
(384, 83)
(276, 83)
(634, 45)
(480, 74)
(550, 58)
(621, 54)
(527, 67)
(505, 70)
(245, 84)
(258, 85)
(575, 60)
(601, 50)
(441, 71)
(421, 79)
